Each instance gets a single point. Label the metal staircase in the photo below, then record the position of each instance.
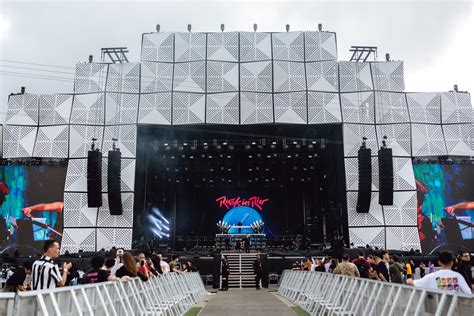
(241, 269)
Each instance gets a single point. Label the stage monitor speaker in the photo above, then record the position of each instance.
(385, 176)
(114, 182)
(94, 178)
(365, 180)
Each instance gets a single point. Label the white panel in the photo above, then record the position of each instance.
(121, 108)
(155, 108)
(424, 107)
(403, 238)
(358, 107)
(223, 108)
(223, 46)
(55, 109)
(90, 77)
(288, 76)
(255, 46)
(458, 139)
(362, 236)
(323, 108)
(127, 139)
(398, 138)
(391, 108)
(124, 78)
(76, 211)
(403, 176)
(80, 139)
(190, 47)
(291, 108)
(125, 220)
(373, 218)
(352, 136)
(190, 77)
(427, 140)
(222, 76)
(354, 76)
(352, 174)
(158, 47)
(403, 210)
(256, 108)
(75, 239)
(52, 141)
(18, 141)
(288, 46)
(323, 76)
(114, 237)
(156, 77)
(22, 109)
(76, 176)
(127, 174)
(188, 108)
(256, 76)
(456, 107)
(388, 76)
(88, 109)
(320, 46)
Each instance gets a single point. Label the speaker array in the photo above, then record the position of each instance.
(385, 176)
(114, 182)
(94, 178)
(365, 179)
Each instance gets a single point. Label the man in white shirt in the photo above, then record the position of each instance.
(118, 261)
(444, 278)
(165, 267)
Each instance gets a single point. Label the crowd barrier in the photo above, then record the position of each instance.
(168, 294)
(322, 293)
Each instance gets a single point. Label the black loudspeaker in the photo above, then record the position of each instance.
(365, 180)
(94, 178)
(114, 182)
(386, 176)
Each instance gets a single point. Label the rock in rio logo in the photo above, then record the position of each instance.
(254, 201)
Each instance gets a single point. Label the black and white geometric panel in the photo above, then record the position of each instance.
(358, 107)
(223, 46)
(222, 108)
(354, 76)
(323, 108)
(127, 139)
(373, 218)
(403, 210)
(403, 176)
(190, 47)
(458, 139)
(320, 46)
(156, 77)
(52, 142)
(402, 238)
(88, 109)
(362, 236)
(256, 108)
(155, 108)
(80, 139)
(55, 109)
(398, 138)
(391, 108)
(124, 77)
(288, 76)
(18, 141)
(22, 110)
(427, 140)
(322, 76)
(256, 76)
(424, 107)
(127, 172)
(104, 219)
(288, 46)
(291, 108)
(352, 173)
(222, 76)
(121, 108)
(188, 108)
(190, 77)
(352, 136)
(456, 107)
(76, 211)
(158, 47)
(90, 77)
(388, 76)
(114, 237)
(75, 239)
(255, 46)
(76, 176)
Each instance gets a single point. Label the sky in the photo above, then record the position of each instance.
(435, 39)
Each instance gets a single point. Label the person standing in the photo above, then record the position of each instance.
(16, 282)
(346, 267)
(165, 267)
(257, 269)
(362, 265)
(464, 267)
(396, 271)
(381, 268)
(45, 272)
(225, 274)
(247, 243)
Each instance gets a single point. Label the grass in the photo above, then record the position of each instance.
(299, 311)
(193, 311)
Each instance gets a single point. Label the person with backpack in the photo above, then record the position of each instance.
(362, 265)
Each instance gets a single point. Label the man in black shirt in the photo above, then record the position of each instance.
(381, 268)
(247, 243)
(225, 274)
(257, 268)
(17, 280)
(464, 268)
(96, 274)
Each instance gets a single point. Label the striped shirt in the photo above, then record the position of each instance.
(45, 274)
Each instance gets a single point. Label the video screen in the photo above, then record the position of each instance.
(31, 205)
(445, 205)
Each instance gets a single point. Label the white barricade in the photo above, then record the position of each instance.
(168, 294)
(322, 293)
(6, 303)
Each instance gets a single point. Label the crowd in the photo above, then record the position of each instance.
(453, 274)
(45, 273)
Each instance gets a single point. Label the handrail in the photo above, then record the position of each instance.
(325, 293)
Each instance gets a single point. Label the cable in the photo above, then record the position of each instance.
(35, 77)
(26, 63)
(37, 69)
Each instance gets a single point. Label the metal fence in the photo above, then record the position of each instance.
(322, 293)
(168, 294)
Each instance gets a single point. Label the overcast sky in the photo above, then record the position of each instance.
(434, 38)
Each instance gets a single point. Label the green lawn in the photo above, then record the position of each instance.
(299, 311)
(193, 311)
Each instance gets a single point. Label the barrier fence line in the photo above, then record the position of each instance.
(168, 294)
(321, 293)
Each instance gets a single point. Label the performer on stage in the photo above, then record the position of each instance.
(247, 243)
(257, 268)
(50, 207)
(225, 273)
(459, 207)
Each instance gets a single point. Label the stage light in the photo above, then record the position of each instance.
(165, 144)
(253, 143)
(224, 143)
(185, 144)
(295, 142)
(205, 144)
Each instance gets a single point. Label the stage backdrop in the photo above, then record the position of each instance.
(445, 201)
(31, 205)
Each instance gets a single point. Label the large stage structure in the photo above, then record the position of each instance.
(239, 78)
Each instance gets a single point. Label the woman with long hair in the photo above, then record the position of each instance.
(130, 268)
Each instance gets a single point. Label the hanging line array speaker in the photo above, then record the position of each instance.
(365, 179)
(114, 182)
(385, 176)
(94, 178)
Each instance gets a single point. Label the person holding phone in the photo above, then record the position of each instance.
(118, 261)
(45, 272)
